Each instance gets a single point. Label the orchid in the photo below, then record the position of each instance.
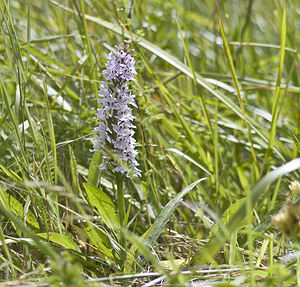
(115, 130)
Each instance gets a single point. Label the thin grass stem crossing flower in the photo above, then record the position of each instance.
(115, 130)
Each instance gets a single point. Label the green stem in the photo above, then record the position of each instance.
(121, 200)
(122, 215)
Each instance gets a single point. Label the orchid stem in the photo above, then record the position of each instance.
(122, 214)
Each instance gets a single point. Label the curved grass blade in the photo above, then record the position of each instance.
(275, 108)
(237, 87)
(88, 45)
(185, 156)
(51, 132)
(13, 117)
(203, 106)
(139, 244)
(165, 214)
(211, 249)
(19, 225)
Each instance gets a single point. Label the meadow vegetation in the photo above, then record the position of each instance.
(217, 118)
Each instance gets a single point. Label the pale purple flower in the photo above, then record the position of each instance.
(115, 130)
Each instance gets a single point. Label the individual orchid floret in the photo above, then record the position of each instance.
(115, 130)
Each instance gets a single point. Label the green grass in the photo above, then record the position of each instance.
(218, 132)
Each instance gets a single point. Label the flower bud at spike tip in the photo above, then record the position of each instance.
(115, 130)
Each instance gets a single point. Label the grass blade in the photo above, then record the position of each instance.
(172, 60)
(210, 250)
(45, 248)
(275, 108)
(237, 87)
(166, 213)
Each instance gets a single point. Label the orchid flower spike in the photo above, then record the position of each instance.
(115, 130)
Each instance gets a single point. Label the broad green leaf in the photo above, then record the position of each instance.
(93, 174)
(99, 239)
(243, 178)
(18, 208)
(74, 172)
(60, 239)
(103, 204)
(232, 209)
